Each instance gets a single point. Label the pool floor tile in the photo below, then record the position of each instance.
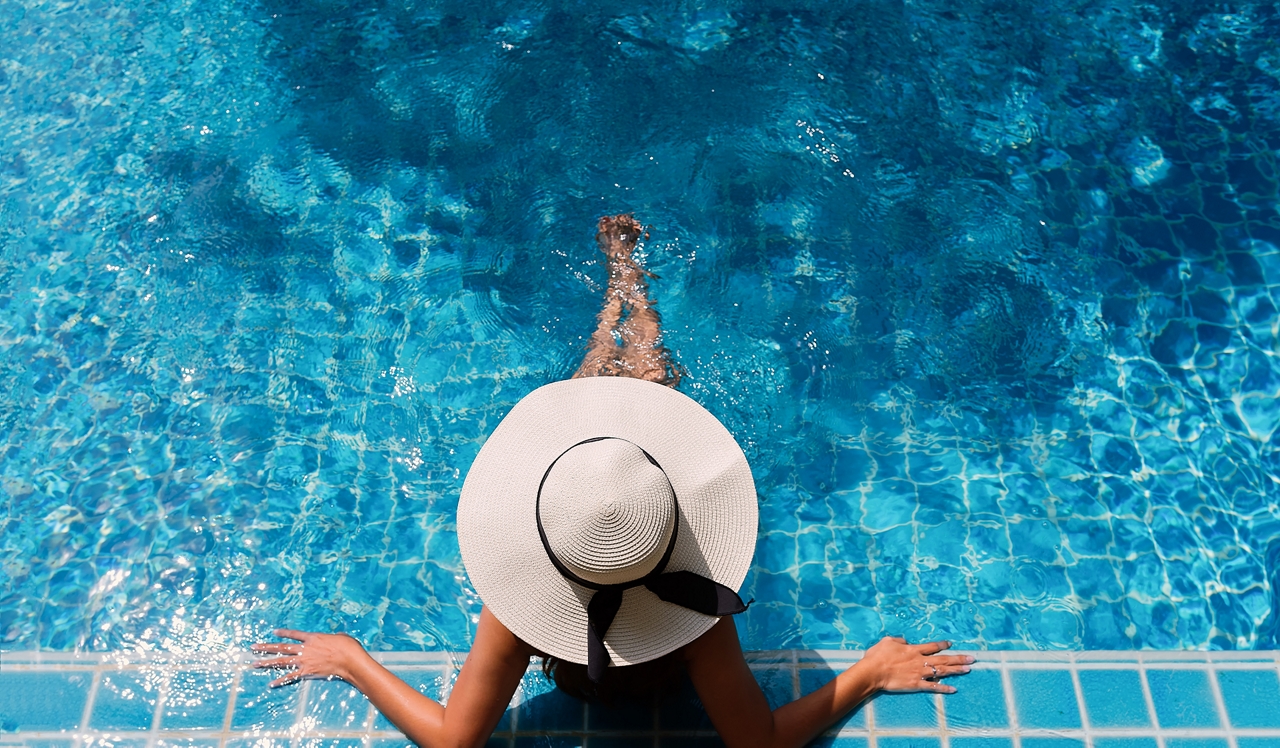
(1195, 743)
(1182, 698)
(908, 742)
(977, 702)
(1045, 698)
(126, 701)
(1134, 742)
(905, 710)
(42, 701)
(981, 742)
(196, 701)
(1113, 698)
(1252, 697)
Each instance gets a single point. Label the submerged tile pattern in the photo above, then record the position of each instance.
(1010, 700)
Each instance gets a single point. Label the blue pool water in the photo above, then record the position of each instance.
(987, 292)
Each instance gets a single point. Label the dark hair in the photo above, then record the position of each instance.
(627, 683)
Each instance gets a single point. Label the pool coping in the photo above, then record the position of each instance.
(775, 664)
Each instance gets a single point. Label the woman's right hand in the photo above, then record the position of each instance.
(898, 666)
(317, 656)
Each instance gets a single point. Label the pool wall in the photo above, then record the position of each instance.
(1012, 699)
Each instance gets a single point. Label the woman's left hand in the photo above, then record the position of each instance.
(317, 656)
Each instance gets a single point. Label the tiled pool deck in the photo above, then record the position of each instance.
(1010, 700)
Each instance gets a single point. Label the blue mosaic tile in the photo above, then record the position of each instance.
(1114, 698)
(1124, 742)
(107, 740)
(196, 701)
(978, 701)
(336, 704)
(46, 743)
(404, 743)
(1250, 697)
(187, 743)
(259, 743)
(1259, 742)
(982, 742)
(42, 701)
(259, 707)
(908, 742)
(1182, 698)
(811, 679)
(330, 743)
(1045, 698)
(1195, 743)
(125, 701)
(905, 710)
(1036, 742)
(622, 716)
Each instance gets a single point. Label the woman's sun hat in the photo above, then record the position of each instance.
(608, 520)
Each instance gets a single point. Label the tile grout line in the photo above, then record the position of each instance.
(1216, 689)
(89, 702)
(1085, 723)
(1152, 717)
(940, 704)
(236, 680)
(1010, 704)
(162, 695)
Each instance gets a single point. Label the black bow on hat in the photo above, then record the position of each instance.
(684, 588)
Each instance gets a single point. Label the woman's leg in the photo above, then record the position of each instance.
(627, 341)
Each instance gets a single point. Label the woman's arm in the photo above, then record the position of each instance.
(490, 675)
(738, 709)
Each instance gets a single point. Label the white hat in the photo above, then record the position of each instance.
(608, 492)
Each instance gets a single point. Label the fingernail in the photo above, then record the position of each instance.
(969, 660)
(965, 669)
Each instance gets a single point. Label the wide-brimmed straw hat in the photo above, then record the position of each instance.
(608, 520)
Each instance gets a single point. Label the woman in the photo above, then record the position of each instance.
(606, 523)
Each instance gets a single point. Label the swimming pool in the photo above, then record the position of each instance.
(986, 292)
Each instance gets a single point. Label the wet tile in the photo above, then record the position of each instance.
(1045, 698)
(908, 742)
(42, 701)
(983, 742)
(905, 710)
(1195, 743)
(196, 701)
(1114, 698)
(335, 705)
(1028, 742)
(978, 701)
(260, 707)
(1182, 698)
(1250, 697)
(1134, 742)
